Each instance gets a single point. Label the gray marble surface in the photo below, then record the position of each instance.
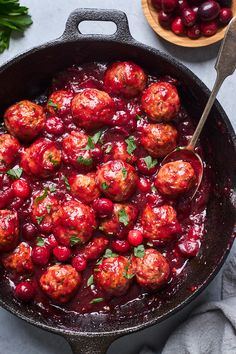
(16, 336)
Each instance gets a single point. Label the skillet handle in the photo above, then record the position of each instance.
(122, 33)
(90, 345)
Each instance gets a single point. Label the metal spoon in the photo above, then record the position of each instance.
(225, 66)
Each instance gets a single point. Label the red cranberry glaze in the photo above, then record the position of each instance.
(84, 198)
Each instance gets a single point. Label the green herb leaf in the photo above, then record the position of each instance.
(90, 144)
(98, 263)
(74, 240)
(104, 186)
(101, 228)
(125, 173)
(96, 300)
(41, 197)
(40, 219)
(108, 149)
(108, 253)
(139, 251)
(96, 137)
(53, 104)
(65, 179)
(84, 161)
(15, 173)
(123, 217)
(52, 160)
(40, 241)
(126, 274)
(131, 146)
(154, 190)
(52, 188)
(138, 117)
(149, 162)
(49, 208)
(90, 280)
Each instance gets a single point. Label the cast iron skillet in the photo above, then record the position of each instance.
(28, 74)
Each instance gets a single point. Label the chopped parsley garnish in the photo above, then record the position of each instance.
(109, 253)
(40, 219)
(131, 146)
(41, 197)
(126, 274)
(96, 137)
(90, 144)
(108, 149)
(105, 186)
(96, 300)
(154, 190)
(15, 173)
(74, 240)
(40, 241)
(52, 160)
(52, 188)
(150, 163)
(53, 105)
(123, 217)
(125, 173)
(139, 251)
(49, 208)
(90, 280)
(85, 161)
(65, 179)
(138, 117)
(98, 263)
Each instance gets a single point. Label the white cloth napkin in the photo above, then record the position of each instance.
(211, 328)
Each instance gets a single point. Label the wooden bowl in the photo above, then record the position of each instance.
(151, 15)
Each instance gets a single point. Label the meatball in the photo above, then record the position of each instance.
(114, 275)
(43, 206)
(117, 180)
(25, 120)
(125, 78)
(158, 139)
(95, 248)
(73, 223)
(159, 223)
(118, 151)
(9, 149)
(9, 230)
(121, 221)
(92, 108)
(152, 270)
(76, 153)
(84, 187)
(175, 178)
(60, 282)
(41, 159)
(19, 260)
(59, 102)
(160, 101)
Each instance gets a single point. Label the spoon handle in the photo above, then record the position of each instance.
(225, 66)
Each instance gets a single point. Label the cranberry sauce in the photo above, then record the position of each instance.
(128, 121)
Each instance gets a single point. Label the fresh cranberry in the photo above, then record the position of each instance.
(135, 237)
(225, 15)
(157, 4)
(144, 168)
(169, 5)
(79, 263)
(209, 10)
(121, 246)
(29, 231)
(103, 207)
(51, 241)
(177, 26)
(209, 28)
(25, 291)
(182, 4)
(40, 255)
(165, 19)
(54, 125)
(97, 154)
(189, 17)
(21, 188)
(194, 32)
(189, 247)
(62, 253)
(144, 185)
(5, 197)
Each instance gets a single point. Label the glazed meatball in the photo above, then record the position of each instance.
(84, 187)
(158, 139)
(117, 180)
(114, 275)
(60, 282)
(118, 151)
(19, 260)
(25, 120)
(152, 270)
(9, 230)
(41, 159)
(9, 149)
(159, 223)
(121, 221)
(161, 101)
(95, 248)
(59, 102)
(73, 222)
(175, 178)
(125, 78)
(75, 152)
(92, 108)
(43, 206)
